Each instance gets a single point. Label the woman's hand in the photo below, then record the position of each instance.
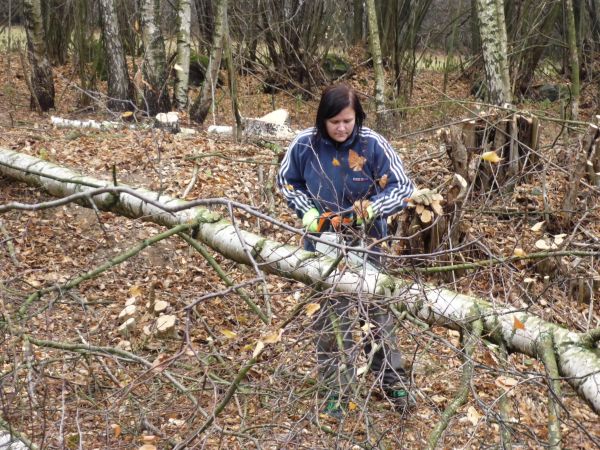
(310, 220)
(363, 210)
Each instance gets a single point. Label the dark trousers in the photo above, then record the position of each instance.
(337, 351)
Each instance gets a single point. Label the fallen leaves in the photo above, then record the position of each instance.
(491, 157)
(355, 161)
(311, 309)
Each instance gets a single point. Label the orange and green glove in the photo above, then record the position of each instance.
(363, 210)
(310, 220)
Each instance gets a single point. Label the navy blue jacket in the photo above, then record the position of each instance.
(318, 172)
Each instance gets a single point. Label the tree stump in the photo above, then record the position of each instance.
(434, 228)
(514, 138)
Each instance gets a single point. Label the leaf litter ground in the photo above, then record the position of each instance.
(97, 401)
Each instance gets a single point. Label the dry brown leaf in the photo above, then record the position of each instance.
(135, 291)
(355, 161)
(519, 252)
(518, 325)
(383, 181)
(491, 156)
(260, 345)
(228, 334)
(116, 430)
(273, 338)
(537, 226)
(312, 308)
(542, 244)
(473, 415)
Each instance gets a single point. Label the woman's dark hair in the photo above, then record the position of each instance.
(333, 100)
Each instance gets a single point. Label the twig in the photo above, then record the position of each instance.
(192, 182)
(4, 425)
(104, 267)
(9, 244)
(215, 265)
(226, 398)
(94, 349)
(496, 261)
(505, 431)
(546, 350)
(463, 391)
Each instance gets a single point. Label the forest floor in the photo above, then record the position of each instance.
(89, 400)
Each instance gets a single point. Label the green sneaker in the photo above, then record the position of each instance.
(402, 399)
(333, 408)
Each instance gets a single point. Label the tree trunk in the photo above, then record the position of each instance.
(120, 90)
(357, 25)
(492, 30)
(41, 80)
(534, 49)
(156, 97)
(573, 58)
(182, 67)
(202, 103)
(375, 48)
(577, 360)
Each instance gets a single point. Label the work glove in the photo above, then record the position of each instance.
(422, 197)
(310, 220)
(363, 210)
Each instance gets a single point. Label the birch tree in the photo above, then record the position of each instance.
(156, 97)
(573, 57)
(182, 64)
(492, 29)
(41, 79)
(202, 103)
(120, 89)
(375, 48)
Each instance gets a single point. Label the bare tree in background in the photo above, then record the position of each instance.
(573, 58)
(492, 29)
(120, 90)
(41, 78)
(182, 67)
(375, 47)
(154, 67)
(201, 105)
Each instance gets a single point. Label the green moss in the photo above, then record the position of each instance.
(335, 66)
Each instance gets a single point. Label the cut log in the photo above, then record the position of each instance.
(578, 363)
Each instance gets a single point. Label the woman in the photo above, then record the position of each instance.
(344, 168)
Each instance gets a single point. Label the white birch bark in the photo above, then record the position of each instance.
(119, 86)
(182, 66)
(492, 29)
(579, 364)
(201, 105)
(154, 66)
(375, 48)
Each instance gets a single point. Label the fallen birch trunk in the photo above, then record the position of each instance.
(578, 363)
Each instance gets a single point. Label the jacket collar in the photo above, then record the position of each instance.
(346, 145)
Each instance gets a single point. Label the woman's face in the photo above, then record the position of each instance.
(340, 127)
